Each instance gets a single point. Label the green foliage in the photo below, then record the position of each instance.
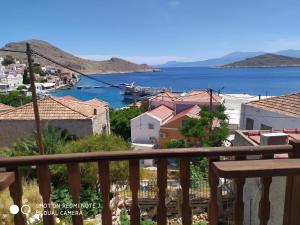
(203, 128)
(120, 120)
(8, 60)
(21, 87)
(176, 144)
(26, 79)
(37, 69)
(201, 223)
(199, 169)
(125, 221)
(90, 200)
(14, 98)
(118, 170)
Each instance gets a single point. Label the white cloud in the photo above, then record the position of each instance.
(150, 60)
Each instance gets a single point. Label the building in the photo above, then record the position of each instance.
(253, 186)
(170, 131)
(5, 108)
(4, 87)
(145, 127)
(182, 101)
(271, 113)
(77, 117)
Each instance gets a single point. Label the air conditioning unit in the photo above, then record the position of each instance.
(274, 139)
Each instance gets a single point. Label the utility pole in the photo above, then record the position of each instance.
(210, 99)
(39, 137)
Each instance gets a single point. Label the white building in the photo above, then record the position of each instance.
(145, 127)
(273, 113)
(14, 81)
(2, 68)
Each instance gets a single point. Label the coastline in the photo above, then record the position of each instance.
(150, 70)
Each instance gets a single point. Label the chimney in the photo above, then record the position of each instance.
(95, 111)
(275, 139)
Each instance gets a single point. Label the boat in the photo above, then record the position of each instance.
(83, 87)
(133, 92)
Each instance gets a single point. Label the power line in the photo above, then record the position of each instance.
(8, 50)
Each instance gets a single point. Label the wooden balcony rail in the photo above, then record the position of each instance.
(239, 171)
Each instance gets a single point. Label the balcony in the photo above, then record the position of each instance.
(237, 168)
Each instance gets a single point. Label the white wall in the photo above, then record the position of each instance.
(269, 118)
(140, 132)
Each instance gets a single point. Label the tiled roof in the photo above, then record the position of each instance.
(193, 96)
(287, 104)
(97, 102)
(52, 108)
(192, 112)
(162, 112)
(4, 107)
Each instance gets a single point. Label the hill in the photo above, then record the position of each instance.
(230, 58)
(114, 65)
(266, 60)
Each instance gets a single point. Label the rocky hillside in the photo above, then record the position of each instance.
(266, 60)
(114, 65)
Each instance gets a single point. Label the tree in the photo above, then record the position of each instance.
(204, 128)
(15, 98)
(8, 60)
(120, 121)
(26, 79)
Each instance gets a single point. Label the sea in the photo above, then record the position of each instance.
(253, 81)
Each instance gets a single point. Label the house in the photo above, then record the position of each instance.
(182, 101)
(253, 186)
(4, 87)
(4, 108)
(77, 117)
(271, 113)
(170, 131)
(145, 127)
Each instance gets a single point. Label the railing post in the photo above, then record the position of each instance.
(74, 187)
(185, 186)
(134, 180)
(105, 188)
(292, 194)
(239, 202)
(15, 190)
(44, 181)
(213, 210)
(162, 185)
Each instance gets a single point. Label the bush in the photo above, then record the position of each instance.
(125, 221)
(176, 144)
(14, 98)
(61, 197)
(120, 121)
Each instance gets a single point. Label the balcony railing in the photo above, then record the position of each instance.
(239, 169)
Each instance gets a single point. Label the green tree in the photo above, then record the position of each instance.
(36, 68)
(205, 127)
(120, 121)
(8, 60)
(26, 79)
(14, 98)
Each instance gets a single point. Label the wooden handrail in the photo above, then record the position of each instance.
(145, 154)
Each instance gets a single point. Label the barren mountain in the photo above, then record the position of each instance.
(113, 65)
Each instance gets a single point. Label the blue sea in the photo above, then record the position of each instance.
(254, 81)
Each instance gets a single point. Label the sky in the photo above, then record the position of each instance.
(154, 31)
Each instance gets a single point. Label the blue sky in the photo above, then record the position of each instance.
(154, 31)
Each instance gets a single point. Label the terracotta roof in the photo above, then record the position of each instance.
(200, 96)
(286, 104)
(70, 97)
(97, 102)
(162, 112)
(192, 112)
(193, 96)
(52, 108)
(4, 107)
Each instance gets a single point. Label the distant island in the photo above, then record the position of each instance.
(113, 65)
(266, 60)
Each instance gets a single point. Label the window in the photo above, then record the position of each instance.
(265, 127)
(151, 126)
(163, 135)
(184, 122)
(249, 124)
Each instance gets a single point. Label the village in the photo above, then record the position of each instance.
(168, 120)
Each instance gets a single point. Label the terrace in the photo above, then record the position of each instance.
(237, 169)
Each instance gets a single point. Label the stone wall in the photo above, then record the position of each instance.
(10, 130)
